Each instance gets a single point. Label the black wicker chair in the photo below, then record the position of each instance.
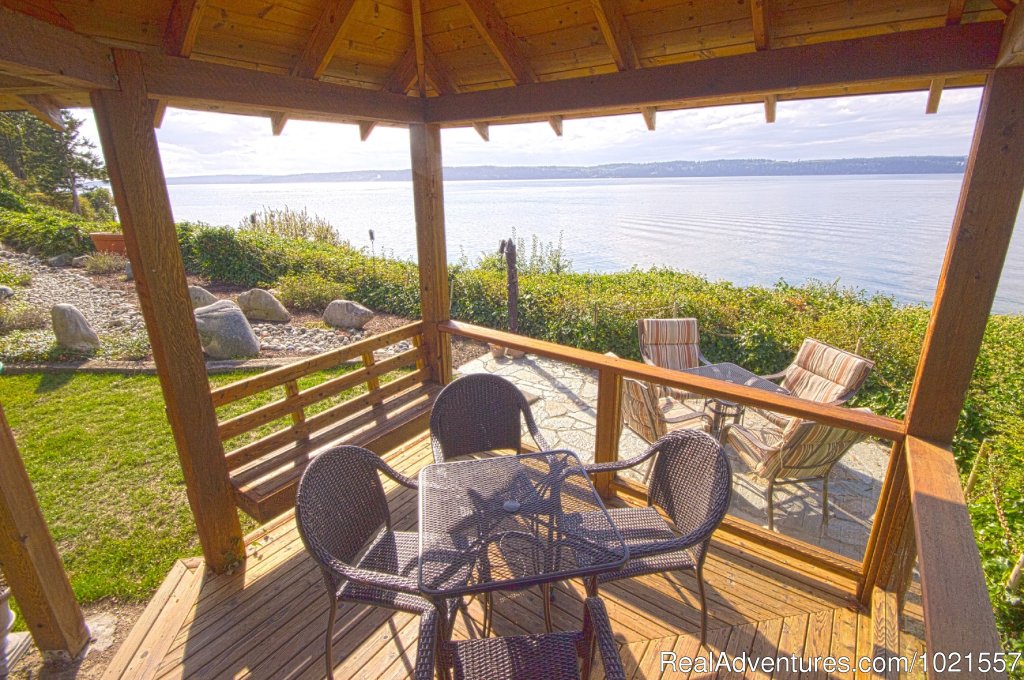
(552, 656)
(342, 514)
(691, 481)
(480, 412)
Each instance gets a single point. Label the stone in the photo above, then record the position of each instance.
(201, 297)
(128, 275)
(62, 260)
(72, 330)
(79, 261)
(346, 314)
(224, 331)
(259, 305)
(6, 292)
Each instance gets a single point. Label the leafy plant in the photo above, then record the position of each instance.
(105, 263)
(20, 316)
(46, 231)
(10, 277)
(288, 223)
(310, 291)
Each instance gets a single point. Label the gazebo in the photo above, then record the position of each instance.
(431, 64)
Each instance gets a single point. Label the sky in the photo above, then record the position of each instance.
(200, 143)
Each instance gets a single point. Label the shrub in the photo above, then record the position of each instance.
(46, 231)
(293, 224)
(310, 292)
(19, 316)
(98, 205)
(10, 277)
(105, 263)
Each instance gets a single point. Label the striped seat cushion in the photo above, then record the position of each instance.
(669, 343)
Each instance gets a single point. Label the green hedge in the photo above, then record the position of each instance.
(46, 231)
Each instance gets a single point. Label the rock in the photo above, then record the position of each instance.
(201, 297)
(128, 275)
(79, 261)
(62, 260)
(224, 331)
(6, 292)
(72, 330)
(346, 314)
(259, 305)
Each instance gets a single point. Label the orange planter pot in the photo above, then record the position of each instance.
(107, 242)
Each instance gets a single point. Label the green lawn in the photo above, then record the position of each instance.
(100, 454)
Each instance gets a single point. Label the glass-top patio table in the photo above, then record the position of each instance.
(737, 375)
(511, 522)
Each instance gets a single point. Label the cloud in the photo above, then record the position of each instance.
(198, 143)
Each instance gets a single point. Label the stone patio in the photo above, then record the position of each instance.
(564, 403)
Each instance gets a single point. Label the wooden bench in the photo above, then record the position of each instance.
(266, 472)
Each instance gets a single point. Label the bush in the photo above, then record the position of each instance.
(98, 205)
(310, 292)
(46, 231)
(106, 263)
(10, 277)
(19, 316)
(292, 224)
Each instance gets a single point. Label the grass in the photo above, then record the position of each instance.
(101, 457)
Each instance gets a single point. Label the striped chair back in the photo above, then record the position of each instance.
(810, 449)
(824, 373)
(640, 410)
(669, 343)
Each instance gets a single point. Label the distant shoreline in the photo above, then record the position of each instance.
(900, 165)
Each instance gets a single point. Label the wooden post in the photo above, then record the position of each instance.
(30, 561)
(125, 123)
(609, 424)
(428, 196)
(989, 200)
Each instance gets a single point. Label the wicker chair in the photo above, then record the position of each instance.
(821, 373)
(480, 412)
(802, 451)
(343, 518)
(691, 482)
(674, 344)
(552, 656)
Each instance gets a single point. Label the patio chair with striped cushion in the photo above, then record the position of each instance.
(821, 373)
(802, 451)
(674, 344)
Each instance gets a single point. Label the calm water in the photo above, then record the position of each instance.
(878, 233)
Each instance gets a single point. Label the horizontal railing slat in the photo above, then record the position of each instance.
(957, 611)
(282, 407)
(869, 423)
(279, 376)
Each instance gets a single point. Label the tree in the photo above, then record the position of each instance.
(52, 162)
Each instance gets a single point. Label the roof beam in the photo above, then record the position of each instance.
(183, 27)
(44, 10)
(934, 94)
(1011, 53)
(37, 50)
(770, 103)
(483, 130)
(438, 75)
(615, 30)
(499, 37)
(403, 74)
(321, 46)
(419, 47)
(955, 12)
(45, 108)
(649, 112)
(759, 19)
(966, 49)
(365, 128)
(204, 84)
(1005, 5)
(556, 124)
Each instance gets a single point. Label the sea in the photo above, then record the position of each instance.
(876, 233)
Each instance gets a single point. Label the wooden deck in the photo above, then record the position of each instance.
(267, 621)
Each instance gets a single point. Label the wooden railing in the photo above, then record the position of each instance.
(957, 611)
(295, 401)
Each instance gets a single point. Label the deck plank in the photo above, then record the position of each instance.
(268, 621)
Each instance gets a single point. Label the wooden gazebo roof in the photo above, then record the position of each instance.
(483, 61)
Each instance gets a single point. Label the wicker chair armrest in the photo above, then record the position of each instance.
(375, 579)
(703, 359)
(531, 426)
(396, 475)
(616, 465)
(426, 648)
(596, 624)
(774, 376)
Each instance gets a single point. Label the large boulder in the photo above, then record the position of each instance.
(346, 314)
(259, 305)
(224, 331)
(72, 330)
(6, 292)
(62, 260)
(200, 297)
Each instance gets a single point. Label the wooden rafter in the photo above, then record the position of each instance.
(403, 74)
(1012, 51)
(770, 104)
(955, 12)
(45, 108)
(615, 30)
(968, 49)
(44, 10)
(500, 39)
(37, 50)
(419, 47)
(934, 94)
(183, 27)
(1006, 6)
(438, 75)
(759, 19)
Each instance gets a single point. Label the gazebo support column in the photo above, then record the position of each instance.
(989, 201)
(31, 563)
(125, 122)
(428, 196)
